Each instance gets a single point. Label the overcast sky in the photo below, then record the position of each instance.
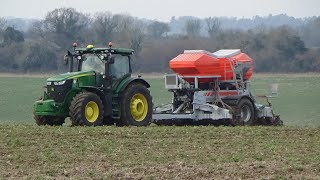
(164, 9)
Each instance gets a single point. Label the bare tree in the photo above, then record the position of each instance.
(213, 26)
(39, 57)
(137, 35)
(121, 32)
(37, 30)
(3, 23)
(11, 35)
(66, 24)
(193, 27)
(157, 29)
(105, 25)
(311, 34)
(2, 26)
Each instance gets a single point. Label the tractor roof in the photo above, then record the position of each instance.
(123, 51)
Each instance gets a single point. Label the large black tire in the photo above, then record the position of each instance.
(86, 109)
(136, 106)
(49, 120)
(244, 113)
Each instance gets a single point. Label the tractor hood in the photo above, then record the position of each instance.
(71, 75)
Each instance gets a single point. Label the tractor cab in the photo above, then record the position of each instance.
(110, 63)
(97, 90)
(119, 65)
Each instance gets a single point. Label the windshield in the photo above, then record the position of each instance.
(120, 67)
(92, 62)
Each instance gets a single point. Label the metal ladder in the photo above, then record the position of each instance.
(238, 82)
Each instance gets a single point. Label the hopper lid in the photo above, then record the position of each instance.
(226, 53)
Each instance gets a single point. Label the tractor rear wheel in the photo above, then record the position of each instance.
(49, 120)
(136, 106)
(244, 113)
(86, 109)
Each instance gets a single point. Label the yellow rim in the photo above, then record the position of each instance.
(92, 111)
(139, 107)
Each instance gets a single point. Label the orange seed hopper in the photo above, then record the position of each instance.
(220, 63)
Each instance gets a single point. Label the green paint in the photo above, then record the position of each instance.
(85, 81)
(49, 108)
(70, 75)
(122, 51)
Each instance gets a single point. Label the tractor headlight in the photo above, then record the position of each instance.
(48, 83)
(59, 83)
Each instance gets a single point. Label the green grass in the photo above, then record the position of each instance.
(298, 102)
(156, 151)
(17, 95)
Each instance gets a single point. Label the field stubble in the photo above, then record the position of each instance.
(159, 152)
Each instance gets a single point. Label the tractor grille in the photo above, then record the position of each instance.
(58, 92)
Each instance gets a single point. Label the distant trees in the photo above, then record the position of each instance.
(158, 29)
(278, 50)
(37, 30)
(42, 46)
(287, 42)
(311, 33)
(2, 23)
(193, 27)
(10, 35)
(105, 25)
(213, 26)
(39, 58)
(65, 25)
(137, 35)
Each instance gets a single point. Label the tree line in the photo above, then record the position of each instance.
(42, 46)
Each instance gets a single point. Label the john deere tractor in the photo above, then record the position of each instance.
(97, 90)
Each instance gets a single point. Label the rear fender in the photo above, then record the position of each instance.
(234, 100)
(249, 98)
(130, 81)
(120, 88)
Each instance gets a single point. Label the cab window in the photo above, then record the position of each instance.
(120, 67)
(91, 62)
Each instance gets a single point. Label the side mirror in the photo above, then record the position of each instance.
(67, 58)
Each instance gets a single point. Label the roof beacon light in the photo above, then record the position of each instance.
(90, 46)
(110, 44)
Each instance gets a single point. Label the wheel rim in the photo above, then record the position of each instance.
(139, 107)
(245, 114)
(92, 111)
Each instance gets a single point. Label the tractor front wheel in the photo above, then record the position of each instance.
(86, 109)
(136, 106)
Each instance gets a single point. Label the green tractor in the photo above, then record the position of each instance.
(97, 90)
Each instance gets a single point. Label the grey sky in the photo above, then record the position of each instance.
(164, 9)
